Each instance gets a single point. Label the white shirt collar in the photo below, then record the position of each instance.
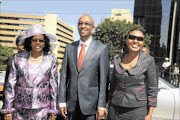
(87, 43)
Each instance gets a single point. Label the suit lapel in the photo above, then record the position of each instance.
(26, 66)
(75, 50)
(90, 51)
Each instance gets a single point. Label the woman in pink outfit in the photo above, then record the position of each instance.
(31, 89)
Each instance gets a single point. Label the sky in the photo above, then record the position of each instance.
(69, 11)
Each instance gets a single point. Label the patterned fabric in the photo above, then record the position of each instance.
(125, 113)
(31, 114)
(31, 92)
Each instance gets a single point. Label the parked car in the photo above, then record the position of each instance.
(168, 102)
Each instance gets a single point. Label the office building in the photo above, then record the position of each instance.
(161, 18)
(11, 25)
(121, 14)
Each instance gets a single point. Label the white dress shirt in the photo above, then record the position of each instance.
(166, 64)
(87, 43)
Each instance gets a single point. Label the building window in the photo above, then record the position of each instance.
(64, 32)
(117, 14)
(139, 20)
(64, 27)
(64, 37)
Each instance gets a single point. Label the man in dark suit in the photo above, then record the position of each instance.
(83, 78)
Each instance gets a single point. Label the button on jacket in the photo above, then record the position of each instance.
(134, 87)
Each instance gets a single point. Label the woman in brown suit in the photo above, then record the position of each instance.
(133, 90)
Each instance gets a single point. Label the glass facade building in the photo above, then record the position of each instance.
(161, 19)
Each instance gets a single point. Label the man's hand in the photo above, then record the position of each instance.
(99, 114)
(106, 114)
(8, 116)
(63, 111)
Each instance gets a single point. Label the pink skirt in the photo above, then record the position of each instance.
(31, 114)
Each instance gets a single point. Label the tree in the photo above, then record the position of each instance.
(113, 34)
(5, 54)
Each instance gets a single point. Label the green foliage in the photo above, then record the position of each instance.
(113, 34)
(3, 67)
(5, 54)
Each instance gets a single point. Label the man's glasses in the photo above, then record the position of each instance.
(132, 37)
(86, 24)
(41, 41)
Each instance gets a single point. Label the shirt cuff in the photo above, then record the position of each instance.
(62, 104)
(55, 112)
(8, 110)
(101, 108)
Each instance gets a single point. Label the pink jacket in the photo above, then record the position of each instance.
(19, 93)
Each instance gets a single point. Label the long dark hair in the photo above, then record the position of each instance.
(46, 49)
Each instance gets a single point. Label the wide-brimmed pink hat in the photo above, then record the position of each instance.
(37, 29)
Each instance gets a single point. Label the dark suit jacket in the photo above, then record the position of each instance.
(88, 84)
(134, 87)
